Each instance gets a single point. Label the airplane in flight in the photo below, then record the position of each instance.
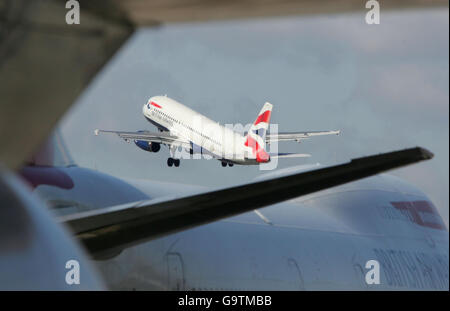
(181, 128)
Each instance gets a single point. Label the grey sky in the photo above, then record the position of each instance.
(385, 86)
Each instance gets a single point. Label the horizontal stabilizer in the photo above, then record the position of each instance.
(296, 136)
(289, 155)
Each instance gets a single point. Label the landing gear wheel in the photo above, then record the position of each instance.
(230, 164)
(176, 162)
(169, 161)
(224, 164)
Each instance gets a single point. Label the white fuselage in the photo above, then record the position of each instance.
(199, 133)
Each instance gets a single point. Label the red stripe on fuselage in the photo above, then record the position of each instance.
(155, 104)
(264, 117)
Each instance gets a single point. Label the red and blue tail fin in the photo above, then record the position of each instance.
(256, 136)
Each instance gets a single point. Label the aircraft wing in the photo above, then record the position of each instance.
(296, 136)
(158, 137)
(105, 232)
(282, 155)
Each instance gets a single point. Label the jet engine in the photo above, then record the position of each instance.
(148, 146)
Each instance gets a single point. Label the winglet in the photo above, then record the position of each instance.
(96, 131)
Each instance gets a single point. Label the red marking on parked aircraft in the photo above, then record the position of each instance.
(41, 175)
(416, 208)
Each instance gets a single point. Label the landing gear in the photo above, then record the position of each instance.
(172, 161)
(224, 164)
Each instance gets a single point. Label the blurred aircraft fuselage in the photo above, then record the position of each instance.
(322, 241)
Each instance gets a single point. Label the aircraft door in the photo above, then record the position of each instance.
(175, 271)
